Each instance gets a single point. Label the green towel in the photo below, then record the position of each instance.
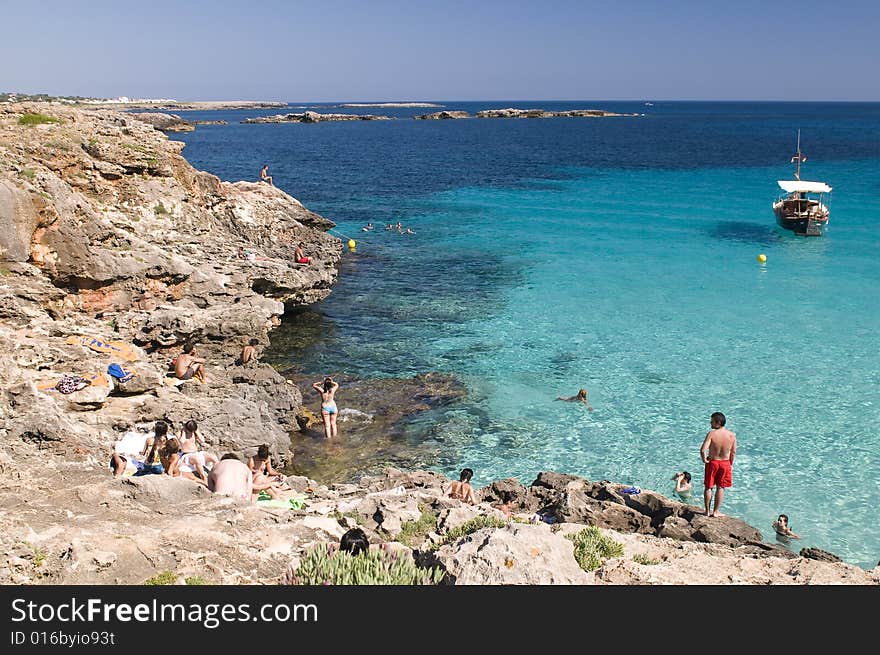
(290, 503)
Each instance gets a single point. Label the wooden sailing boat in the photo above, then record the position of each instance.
(803, 208)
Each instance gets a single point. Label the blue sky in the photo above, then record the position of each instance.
(375, 50)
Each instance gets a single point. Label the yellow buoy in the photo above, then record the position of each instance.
(351, 244)
(762, 258)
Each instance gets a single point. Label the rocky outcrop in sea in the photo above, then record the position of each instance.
(315, 117)
(442, 115)
(541, 113)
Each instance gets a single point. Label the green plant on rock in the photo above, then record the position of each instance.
(644, 559)
(159, 209)
(466, 528)
(591, 547)
(413, 533)
(163, 578)
(37, 119)
(196, 580)
(29, 173)
(375, 567)
(39, 557)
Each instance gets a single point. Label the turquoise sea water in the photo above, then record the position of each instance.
(534, 273)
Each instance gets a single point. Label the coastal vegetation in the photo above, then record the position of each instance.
(161, 579)
(196, 580)
(37, 119)
(478, 523)
(645, 560)
(376, 567)
(592, 547)
(414, 533)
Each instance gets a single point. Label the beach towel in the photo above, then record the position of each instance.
(279, 503)
(120, 372)
(631, 490)
(119, 348)
(94, 379)
(71, 383)
(131, 444)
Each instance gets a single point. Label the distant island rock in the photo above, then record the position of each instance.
(199, 105)
(314, 117)
(391, 104)
(164, 122)
(541, 113)
(209, 122)
(442, 115)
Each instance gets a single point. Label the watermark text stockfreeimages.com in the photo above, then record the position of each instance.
(209, 615)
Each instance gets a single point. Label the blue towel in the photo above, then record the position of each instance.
(631, 490)
(119, 373)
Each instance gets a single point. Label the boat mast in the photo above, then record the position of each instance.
(797, 174)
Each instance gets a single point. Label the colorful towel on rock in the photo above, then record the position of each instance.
(99, 379)
(70, 383)
(119, 348)
(121, 373)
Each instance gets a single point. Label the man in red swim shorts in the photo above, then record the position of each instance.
(717, 452)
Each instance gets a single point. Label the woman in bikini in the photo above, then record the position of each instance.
(171, 462)
(327, 389)
(191, 458)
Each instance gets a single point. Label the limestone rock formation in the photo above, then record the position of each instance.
(106, 232)
(164, 122)
(442, 115)
(511, 112)
(315, 117)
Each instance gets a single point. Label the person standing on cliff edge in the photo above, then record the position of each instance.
(717, 452)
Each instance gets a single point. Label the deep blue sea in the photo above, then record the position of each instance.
(619, 255)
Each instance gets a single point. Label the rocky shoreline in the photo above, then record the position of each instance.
(108, 236)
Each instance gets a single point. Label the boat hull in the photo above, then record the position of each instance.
(809, 227)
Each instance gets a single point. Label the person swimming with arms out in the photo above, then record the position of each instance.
(581, 397)
(327, 389)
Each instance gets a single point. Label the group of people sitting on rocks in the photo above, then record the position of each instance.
(186, 456)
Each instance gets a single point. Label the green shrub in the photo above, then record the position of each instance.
(644, 559)
(413, 533)
(196, 580)
(468, 527)
(39, 557)
(29, 173)
(159, 209)
(36, 119)
(591, 547)
(163, 578)
(375, 567)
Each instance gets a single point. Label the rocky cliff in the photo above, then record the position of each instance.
(107, 233)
